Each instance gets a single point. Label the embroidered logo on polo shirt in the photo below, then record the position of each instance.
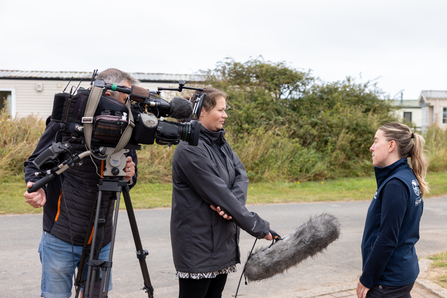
(417, 191)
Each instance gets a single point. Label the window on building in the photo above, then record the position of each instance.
(407, 116)
(444, 115)
(5, 99)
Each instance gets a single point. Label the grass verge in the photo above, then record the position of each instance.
(152, 195)
(440, 261)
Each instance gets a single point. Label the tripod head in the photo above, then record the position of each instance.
(115, 163)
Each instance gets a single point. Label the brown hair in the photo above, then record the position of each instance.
(403, 136)
(212, 94)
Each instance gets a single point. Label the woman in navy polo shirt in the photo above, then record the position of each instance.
(390, 263)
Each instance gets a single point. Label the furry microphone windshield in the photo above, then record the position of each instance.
(306, 241)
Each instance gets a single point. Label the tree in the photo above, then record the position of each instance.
(334, 121)
(259, 92)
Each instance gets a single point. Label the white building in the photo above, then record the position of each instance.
(410, 110)
(434, 108)
(32, 92)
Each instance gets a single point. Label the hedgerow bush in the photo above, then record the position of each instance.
(436, 148)
(325, 128)
(18, 138)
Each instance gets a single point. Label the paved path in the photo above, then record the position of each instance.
(334, 272)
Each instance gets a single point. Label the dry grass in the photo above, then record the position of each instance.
(440, 265)
(18, 138)
(436, 148)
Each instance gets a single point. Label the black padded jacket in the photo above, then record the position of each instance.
(209, 174)
(67, 216)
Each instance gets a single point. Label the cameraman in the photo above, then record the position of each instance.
(69, 200)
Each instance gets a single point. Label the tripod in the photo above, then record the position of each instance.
(97, 268)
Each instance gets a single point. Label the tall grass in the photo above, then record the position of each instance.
(154, 163)
(436, 148)
(270, 156)
(267, 154)
(18, 138)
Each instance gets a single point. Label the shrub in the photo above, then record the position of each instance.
(18, 138)
(154, 163)
(436, 148)
(332, 124)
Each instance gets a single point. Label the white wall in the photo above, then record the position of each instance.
(416, 115)
(432, 113)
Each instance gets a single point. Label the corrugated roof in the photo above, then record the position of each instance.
(77, 75)
(434, 94)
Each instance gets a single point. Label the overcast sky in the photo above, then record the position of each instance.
(399, 44)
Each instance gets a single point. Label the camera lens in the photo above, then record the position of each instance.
(195, 133)
(189, 132)
(172, 132)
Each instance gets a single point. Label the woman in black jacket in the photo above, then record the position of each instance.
(205, 242)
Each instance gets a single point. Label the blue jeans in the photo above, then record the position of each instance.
(56, 257)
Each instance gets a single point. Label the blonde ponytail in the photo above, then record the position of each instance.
(403, 137)
(419, 163)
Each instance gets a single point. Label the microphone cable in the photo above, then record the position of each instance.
(275, 238)
(243, 270)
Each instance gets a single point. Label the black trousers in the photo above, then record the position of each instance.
(390, 292)
(202, 288)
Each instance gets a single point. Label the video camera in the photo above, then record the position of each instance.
(109, 126)
(109, 118)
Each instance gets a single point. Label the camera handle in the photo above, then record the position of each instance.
(61, 168)
(117, 186)
(181, 86)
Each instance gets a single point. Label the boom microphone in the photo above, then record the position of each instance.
(306, 241)
(180, 108)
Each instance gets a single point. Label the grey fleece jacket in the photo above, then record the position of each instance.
(204, 175)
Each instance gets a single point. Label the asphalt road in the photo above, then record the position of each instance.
(339, 264)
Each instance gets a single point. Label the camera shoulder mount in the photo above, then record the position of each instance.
(87, 120)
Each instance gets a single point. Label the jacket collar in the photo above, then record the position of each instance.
(213, 137)
(383, 173)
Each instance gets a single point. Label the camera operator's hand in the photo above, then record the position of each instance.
(36, 199)
(129, 169)
(221, 212)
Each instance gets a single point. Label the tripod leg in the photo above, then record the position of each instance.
(141, 254)
(99, 271)
(92, 270)
(87, 249)
(79, 281)
(114, 186)
(112, 243)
